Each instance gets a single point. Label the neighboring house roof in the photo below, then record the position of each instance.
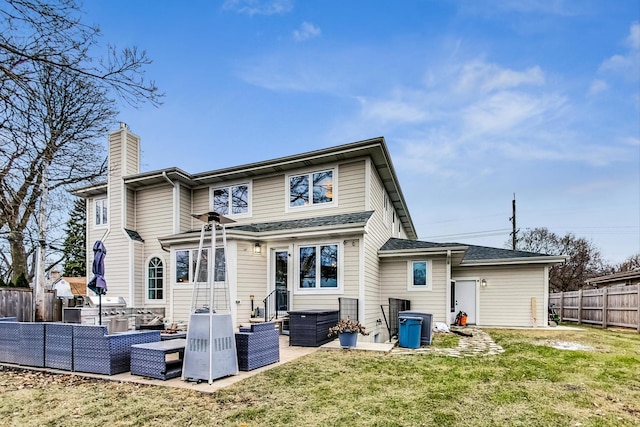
(78, 285)
(623, 278)
(472, 254)
(333, 223)
(375, 148)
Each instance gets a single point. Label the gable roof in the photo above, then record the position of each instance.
(374, 148)
(471, 254)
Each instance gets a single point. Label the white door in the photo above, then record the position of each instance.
(465, 299)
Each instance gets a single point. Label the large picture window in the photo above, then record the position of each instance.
(311, 189)
(155, 279)
(419, 275)
(101, 211)
(232, 200)
(186, 266)
(319, 267)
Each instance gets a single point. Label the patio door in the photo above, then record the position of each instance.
(465, 298)
(280, 280)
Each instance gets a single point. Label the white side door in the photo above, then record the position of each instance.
(465, 299)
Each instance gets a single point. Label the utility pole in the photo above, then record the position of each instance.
(514, 232)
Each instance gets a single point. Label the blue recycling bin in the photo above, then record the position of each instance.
(410, 328)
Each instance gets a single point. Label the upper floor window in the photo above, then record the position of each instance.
(311, 189)
(186, 261)
(232, 200)
(155, 280)
(419, 275)
(318, 267)
(101, 211)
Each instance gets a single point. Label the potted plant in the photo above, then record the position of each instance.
(347, 331)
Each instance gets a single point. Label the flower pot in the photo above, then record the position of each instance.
(348, 339)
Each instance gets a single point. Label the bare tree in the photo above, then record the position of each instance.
(56, 103)
(584, 260)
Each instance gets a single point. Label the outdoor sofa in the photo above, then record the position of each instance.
(257, 346)
(71, 347)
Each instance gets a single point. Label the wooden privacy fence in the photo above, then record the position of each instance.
(614, 306)
(17, 302)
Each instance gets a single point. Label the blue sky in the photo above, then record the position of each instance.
(477, 100)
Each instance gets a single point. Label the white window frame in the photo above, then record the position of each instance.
(193, 252)
(164, 281)
(317, 289)
(100, 203)
(311, 205)
(229, 188)
(420, 288)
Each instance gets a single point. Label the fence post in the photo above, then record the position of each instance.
(605, 304)
(561, 305)
(638, 316)
(579, 306)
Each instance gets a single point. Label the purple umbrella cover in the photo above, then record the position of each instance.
(98, 284)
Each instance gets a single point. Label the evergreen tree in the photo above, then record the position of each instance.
(75, 243)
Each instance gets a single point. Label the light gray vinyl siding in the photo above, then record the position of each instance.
(351, 268)
(268, 198)
(506, 300)
(139, 274)
(201, 204)
(251, 280)
(377, 234)
(132, 155)
(181, 295)
(394, 280)
(185, 209)
(130, 221)
(154, 212)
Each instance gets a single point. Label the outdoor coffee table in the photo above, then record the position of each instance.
(150, 359)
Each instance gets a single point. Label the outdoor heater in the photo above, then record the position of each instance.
(210, 351)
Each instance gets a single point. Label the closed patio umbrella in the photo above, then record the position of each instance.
(97, 283)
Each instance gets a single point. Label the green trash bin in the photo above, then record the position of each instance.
(410, 328)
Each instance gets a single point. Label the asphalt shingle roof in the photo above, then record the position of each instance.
(323, 221)
(473, 252)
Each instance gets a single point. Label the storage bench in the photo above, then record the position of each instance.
(150, 359)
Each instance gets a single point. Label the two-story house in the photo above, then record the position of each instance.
(318, 226)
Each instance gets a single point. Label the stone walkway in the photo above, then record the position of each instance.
(480, 344)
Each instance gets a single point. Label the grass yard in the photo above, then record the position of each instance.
(530, 384)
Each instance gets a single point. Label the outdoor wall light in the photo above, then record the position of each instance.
(483, 283)
(257, 249)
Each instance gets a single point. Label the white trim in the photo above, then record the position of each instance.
(362, 315)
(367, 184)
(477, 281)
(228, 186)
(146, 280)
(311, 205)
(105, 200)
(177, 188)
(429, 285)
(339, 290)
(231, 270)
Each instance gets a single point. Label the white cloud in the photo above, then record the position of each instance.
(392, 110)
(598, 86)
(485, 77)
(306, 31)
(626, 64)
(259, 7)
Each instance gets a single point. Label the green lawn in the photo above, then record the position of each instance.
(530, 383)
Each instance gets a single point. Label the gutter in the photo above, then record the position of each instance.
(516, 261)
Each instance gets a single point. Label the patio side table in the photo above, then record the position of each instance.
(150, 359)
